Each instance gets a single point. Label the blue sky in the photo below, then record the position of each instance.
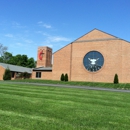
(27, 24)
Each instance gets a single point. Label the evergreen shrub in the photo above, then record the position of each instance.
(62, 77)
(66, 77)
(116, 81)
(7, 75)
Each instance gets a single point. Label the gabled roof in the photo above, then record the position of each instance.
(43, 69)
(16, 68)
(90, 36)
(101, 34)
(95, 35)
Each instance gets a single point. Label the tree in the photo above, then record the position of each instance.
(7, 74)
(20, 60)
(3, 49)
(62, 77)
(31, 63)
(66, 77)
(23, 60)
(116, 81)
(6, 57)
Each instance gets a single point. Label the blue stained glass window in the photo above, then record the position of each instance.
(93, 61)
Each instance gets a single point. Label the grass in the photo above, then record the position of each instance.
(26, 107)
(125, 86)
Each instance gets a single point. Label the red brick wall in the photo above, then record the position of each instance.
(111, 65)
(116, 55)
(2, 70)
(61, 62)
(46, 57)
(47, 75)
(95, 34)
(125, 61)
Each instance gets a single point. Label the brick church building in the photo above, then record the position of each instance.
(94, 57)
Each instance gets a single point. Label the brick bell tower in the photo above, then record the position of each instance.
(44, 57)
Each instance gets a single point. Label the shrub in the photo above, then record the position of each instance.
(116, 81)
(7, 75)
(21, 75)
(62, 77)
(25, 75)
(66, 77)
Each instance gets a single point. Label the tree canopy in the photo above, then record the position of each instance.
(20, 60)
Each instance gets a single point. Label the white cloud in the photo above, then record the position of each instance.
(9, 35)
(28, 41)
(17, 25)
(58, 39)
(39, 32)
(19, 44)
(40, 23)
(50, 38)
(47, 25)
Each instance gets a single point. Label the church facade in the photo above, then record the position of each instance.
(94, 57)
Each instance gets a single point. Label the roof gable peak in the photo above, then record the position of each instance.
(95, 34)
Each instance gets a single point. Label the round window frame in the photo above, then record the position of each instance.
(102, 60)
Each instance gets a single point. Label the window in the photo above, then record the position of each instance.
(38, 74)
(93, 61)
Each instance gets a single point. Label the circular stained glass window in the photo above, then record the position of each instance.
(93, 61)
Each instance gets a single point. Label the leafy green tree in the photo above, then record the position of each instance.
(23, 60)
(17, 60)
(12, 61)
(66, 77)
(1, 60)
(7, 75)
(6, 57)
(31, 63)
(62, 77)
(20, 60)
(116, 80)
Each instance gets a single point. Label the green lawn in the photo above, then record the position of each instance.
(26, 107)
